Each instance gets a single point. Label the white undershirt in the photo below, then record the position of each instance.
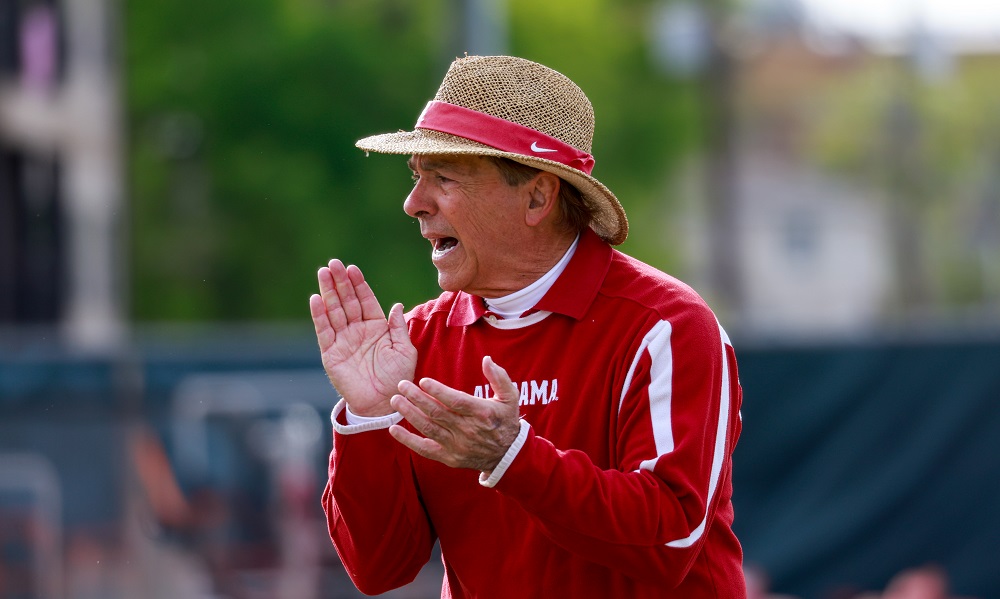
(506, 307)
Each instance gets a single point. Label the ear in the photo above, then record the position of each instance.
(543, 197)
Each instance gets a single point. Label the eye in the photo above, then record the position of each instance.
(414, 177)
(441, 179)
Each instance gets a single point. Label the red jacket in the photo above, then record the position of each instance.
(622, 487)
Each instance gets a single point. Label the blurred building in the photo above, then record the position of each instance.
(819, 251)
(61, 176)
(813, 251)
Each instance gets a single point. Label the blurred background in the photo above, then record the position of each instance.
(172, 174)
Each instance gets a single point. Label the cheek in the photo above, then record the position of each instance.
(489, 236)
(481, 218)
(473, 225)
(497, 216)
(483, 227)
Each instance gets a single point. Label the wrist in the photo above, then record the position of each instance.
(368, 415)
(491, 477)
(373, 413)
(346, 423)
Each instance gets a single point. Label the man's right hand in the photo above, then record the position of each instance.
(364, 354)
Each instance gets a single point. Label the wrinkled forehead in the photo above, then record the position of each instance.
(431, 162)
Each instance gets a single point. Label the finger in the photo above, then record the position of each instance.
(428, 406)
(504, 388)
(452, 399)
(423, 446)
(370, 308)
(418, 418)
(398, 333)
(321, 322)
(345, 291)
(331, 301)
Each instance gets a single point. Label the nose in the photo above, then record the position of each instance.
(419, 203)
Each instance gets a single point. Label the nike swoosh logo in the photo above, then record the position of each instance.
(535, 148)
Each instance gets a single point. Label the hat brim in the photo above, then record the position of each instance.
(609, 220)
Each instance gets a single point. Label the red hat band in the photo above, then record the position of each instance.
(501, 134)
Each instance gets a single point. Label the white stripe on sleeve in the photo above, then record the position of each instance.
(661, 374)
(719, 451)
(657, 343)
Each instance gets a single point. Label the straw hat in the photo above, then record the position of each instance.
(517, 109)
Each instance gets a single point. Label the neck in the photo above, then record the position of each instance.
(515, 304)
(530, 262)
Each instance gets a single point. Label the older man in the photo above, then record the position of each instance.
(562, 417)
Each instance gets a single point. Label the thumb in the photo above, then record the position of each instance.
(398, 333)
(504, 389)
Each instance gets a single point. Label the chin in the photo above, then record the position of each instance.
(447, 283)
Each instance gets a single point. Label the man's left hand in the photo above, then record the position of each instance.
(460, 430)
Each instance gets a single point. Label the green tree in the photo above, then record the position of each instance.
(243, 118)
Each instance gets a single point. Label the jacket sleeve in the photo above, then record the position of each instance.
(677, 422)
(373, 509)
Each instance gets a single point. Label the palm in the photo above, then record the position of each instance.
(364, 365)
(364, 354)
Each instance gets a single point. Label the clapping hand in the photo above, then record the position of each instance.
(364, 354)
(459, 430)
(371, 360)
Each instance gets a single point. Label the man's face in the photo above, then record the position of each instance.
(474, 221)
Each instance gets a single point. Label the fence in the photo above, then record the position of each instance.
(193, 468)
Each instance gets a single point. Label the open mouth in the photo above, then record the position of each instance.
(444, 245)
